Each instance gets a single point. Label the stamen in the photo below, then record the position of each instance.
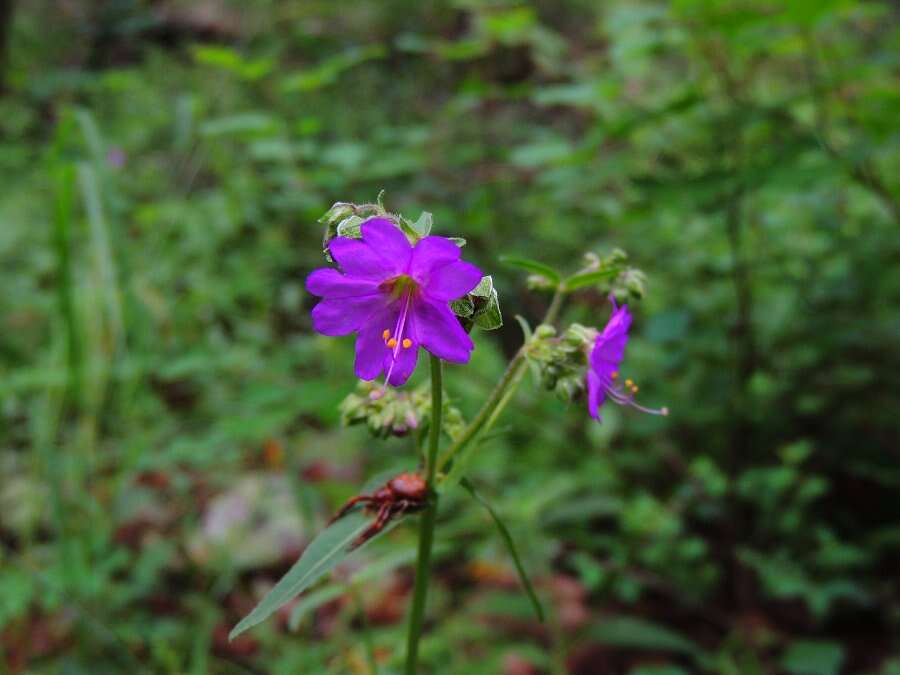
(386, 334)
(629, 382)
(407, 343)
(620, 397)
(392, 343)
(614, 374)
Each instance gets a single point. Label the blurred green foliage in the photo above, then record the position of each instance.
(163, 398)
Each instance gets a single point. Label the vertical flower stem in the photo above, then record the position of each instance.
(426, 527)
(555, 305)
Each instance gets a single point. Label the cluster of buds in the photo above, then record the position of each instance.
(562, 360)
(394, 412)
(624, 281)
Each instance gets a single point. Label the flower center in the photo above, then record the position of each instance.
(400, 286)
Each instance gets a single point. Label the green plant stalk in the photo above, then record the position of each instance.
(501, 394)
(429, 517)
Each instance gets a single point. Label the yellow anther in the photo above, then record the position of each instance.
(407, 343)
(629, 383)
(614, 374)
(386, 334)
(392, 343)
(635, 389)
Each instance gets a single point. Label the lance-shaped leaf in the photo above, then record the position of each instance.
(331, 546)
(533, 266)
(628, 631)
(508, 540)
(591, 278)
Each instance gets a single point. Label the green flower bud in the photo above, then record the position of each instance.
(561, 360)
(393, 412)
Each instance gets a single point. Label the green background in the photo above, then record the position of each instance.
(169, 432)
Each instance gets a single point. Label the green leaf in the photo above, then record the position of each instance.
(532, 266)
(328, 71)
(316, 599)
(230, 60)
(811, 657)
(240, 124)
(325, 552)
(508, 540)
(626, 631)
(590, 278)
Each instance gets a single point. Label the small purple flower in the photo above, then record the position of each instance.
(603, 368)
(116, 157)
(396, 297)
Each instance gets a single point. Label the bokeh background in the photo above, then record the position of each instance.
(169, 430)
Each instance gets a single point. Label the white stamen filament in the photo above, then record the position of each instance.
(620, 397)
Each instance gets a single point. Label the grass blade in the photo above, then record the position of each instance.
(508, 540)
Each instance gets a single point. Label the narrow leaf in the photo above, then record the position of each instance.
(377, 568)
(329, 548)
(508, 540)
(627, 631)
(590, 278)
(532, 266)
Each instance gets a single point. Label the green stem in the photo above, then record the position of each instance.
(501, 394)
(555, 306)
(429, 517)
(487, 410)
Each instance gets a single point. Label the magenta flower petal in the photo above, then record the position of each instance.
(402, 367)
(441, 334)
(609, 348)
(453, 281)
(387, 239)
(358, 259)
(595, 394)
(370, 347)
(430, 254)
(342, 316)
(329, 283)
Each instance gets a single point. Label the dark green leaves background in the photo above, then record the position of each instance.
(169, 422)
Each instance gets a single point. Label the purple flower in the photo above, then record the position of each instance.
(396, 297)
(116, 157)
(603, 368)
